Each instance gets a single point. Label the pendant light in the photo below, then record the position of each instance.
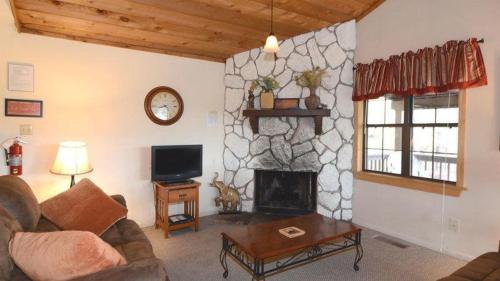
(272, 45)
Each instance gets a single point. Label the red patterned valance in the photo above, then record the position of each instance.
(455, 65)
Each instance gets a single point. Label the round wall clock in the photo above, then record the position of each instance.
(163, 105)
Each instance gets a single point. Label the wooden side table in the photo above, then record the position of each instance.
(166, 194)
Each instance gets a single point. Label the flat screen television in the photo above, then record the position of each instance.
(176, 163)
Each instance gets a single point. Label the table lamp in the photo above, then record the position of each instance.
(71, 160)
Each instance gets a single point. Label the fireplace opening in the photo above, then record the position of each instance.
(285, 192)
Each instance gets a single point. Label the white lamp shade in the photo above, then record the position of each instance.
(272, 45)
(71, 159)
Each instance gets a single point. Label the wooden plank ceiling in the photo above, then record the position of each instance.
(204, 29)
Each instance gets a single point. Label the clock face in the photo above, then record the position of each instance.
(163, 105)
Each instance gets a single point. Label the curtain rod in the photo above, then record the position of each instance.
(480, 41)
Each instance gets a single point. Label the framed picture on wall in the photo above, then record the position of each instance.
(20, 77)
(23, 108)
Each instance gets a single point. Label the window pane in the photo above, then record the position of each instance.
(375, 111)
(421, 164)
(445, 153)
(386, 110)
(442, 108)
(374, 138)
(392, 161)
(424, 110)
(445, 167)
(434, 152)
(422, 139)
(384, 150)
(394, 110)
(392, 149)
(447, 108)
(392, 138)
(373, 160)
(446, 140)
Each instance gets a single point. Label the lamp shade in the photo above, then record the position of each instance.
(272, 45)
(71, 159)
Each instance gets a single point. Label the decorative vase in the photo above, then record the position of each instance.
(267, 100)
(251, 99)
(312, 101)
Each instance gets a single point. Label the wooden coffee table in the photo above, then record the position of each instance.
(263, 251)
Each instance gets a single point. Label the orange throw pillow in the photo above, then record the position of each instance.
(62, 255)
(83, 207)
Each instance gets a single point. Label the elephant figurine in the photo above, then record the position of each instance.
(228, 196)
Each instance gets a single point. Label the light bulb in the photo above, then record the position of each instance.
(272, 45)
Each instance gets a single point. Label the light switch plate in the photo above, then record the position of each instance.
(25, 129)
(212, 118)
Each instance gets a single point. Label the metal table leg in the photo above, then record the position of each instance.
(359, 250)
(223, 257)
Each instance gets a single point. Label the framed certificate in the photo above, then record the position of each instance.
(23, 108)
(20, 77)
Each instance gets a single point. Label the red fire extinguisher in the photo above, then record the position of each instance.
(15, 156)
(16, 159)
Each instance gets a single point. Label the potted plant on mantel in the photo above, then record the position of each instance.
(311, 79)
(268, 84)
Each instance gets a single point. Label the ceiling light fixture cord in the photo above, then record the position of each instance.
(272, 15)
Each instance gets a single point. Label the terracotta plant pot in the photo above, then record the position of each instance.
(312, 101)
(266, 100)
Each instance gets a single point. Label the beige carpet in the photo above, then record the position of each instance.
(195, 256)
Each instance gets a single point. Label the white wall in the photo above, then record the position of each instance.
(398, 26)
(95, 94)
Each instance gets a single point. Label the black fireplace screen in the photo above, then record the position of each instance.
(285, 192)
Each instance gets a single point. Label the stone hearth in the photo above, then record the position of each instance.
(289, 143)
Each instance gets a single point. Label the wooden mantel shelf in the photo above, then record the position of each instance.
(317, 114)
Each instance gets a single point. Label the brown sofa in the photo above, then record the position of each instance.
(20, 211)
(484, 268)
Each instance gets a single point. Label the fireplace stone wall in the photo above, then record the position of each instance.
(289, 143)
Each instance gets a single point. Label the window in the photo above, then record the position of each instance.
(414, 138)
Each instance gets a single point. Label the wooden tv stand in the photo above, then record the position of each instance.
(166, 194)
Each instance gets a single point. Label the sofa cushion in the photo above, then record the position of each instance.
(18, 199)
(83, 207)
(143, 270)
(8, 226)
(484, 267)
(129, 239)
(62, 255)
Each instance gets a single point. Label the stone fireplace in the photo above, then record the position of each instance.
(290, 143)
(285, 192)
